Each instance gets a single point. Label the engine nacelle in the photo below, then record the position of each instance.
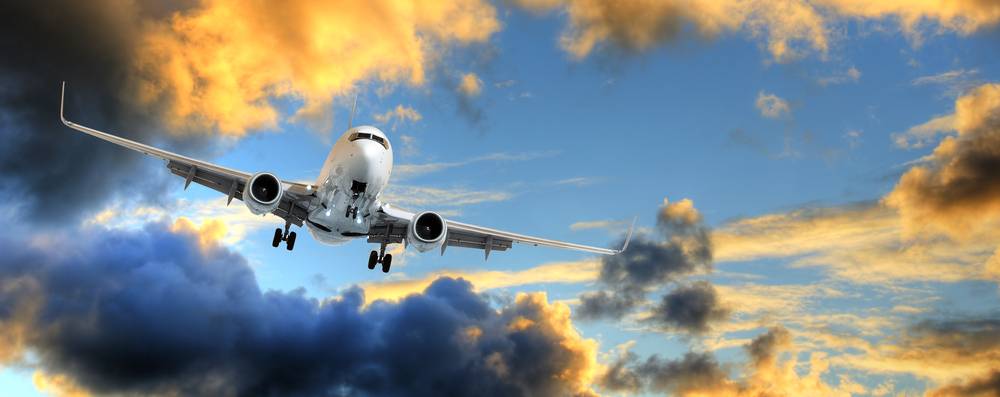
(427, 231)
(262, 193)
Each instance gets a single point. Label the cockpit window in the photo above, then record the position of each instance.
(371, 137)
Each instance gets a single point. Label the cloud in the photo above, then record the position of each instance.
(227, 224)
(648, 264)
(788, 29)
(762, 350)
(152, 312)
(946, 351)
(470, 85)
(411, 170)
(852, 75)
(924, 134)
(485, 280)
(771, 106)
(691, 308)
(700, 374)
(57, 385)
(602, 224)
(987, 386)
(429, 197)
(955, 82)
(958, 188)
(993, 265)
(862, 243)
(54, 174)
(221, 64)
(397, 116)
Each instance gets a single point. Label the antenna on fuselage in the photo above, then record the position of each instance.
(350, 121)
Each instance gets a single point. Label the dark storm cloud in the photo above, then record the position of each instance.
(691, 308)
(987, 386)
(693, 371)
(647, 264)
(49, 170)
(764, 348)
(958, 186)
(940, 342)
(600, 304)
(152, 312)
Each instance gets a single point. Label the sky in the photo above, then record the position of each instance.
(815, 183)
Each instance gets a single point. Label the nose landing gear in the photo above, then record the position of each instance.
(286, 236)
(380, 257)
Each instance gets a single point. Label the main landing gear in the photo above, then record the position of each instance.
(286, 236)
(380, 257)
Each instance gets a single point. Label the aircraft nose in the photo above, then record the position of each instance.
(368, 161)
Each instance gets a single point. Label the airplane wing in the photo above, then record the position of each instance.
(391, 225)
(294, 203)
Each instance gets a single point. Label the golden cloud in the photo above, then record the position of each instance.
(209, 232)
(57, 385)
(682, 212)
(482, 280)
(398, 115)
(788, 28)
(16, 330)
(532, 313)
(221, 63)
(470, 85)
(958, 188)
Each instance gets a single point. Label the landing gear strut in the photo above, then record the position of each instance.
(286, 236)
(380, 257)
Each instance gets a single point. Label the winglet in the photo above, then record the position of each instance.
(628, 237)
(62, 98)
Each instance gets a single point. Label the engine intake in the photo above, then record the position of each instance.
(262, 193)
(427, 230)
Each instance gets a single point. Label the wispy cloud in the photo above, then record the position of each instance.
(578, 181)
(859, 243)
(557, 272)
(402, 171)
(414, 197)
(924, 134)
(398, 115)
(852, 75)
(616, 225)
(787, 29)
(772, 106)
(954, 82)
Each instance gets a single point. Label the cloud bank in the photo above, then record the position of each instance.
(155, 311)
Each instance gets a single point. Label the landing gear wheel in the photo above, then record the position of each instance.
(277, 238)
(290, 241)
(372, 260)
(386, 262)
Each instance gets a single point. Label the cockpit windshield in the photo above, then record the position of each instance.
(371, 137)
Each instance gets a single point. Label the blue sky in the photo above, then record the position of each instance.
(808, 250)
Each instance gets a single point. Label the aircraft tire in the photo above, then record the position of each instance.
(386, 262)
(290, 243)
(372, 260)
(277, 238)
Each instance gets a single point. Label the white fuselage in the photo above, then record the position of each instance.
(353, 176)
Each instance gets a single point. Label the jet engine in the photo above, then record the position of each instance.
(262, 193)
(427, 231)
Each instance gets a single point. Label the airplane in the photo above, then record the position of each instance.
(344, 202)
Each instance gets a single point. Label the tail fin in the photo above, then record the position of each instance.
(350, 121)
